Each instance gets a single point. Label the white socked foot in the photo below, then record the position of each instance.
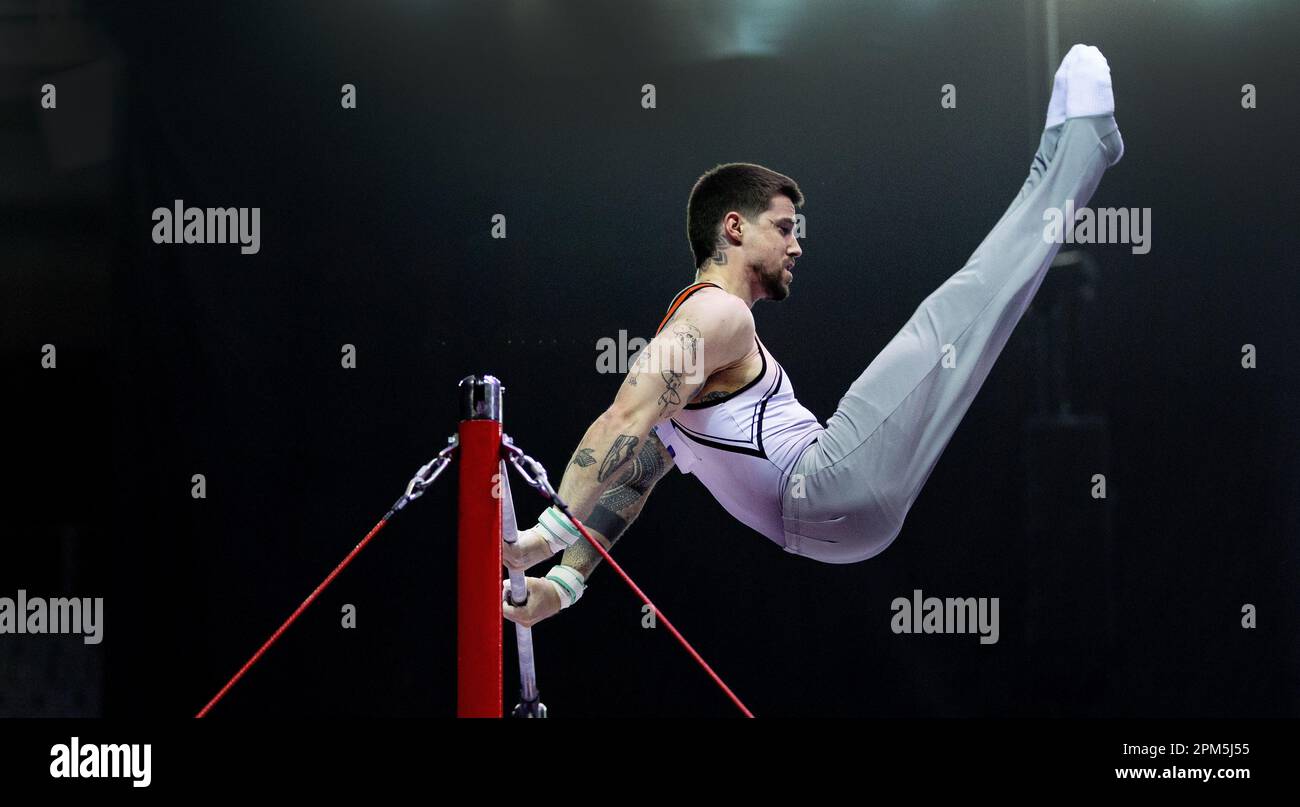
(1081, 88)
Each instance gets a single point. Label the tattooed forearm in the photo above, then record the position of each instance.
(644, 472)
(583, 458)
(606, 522)
(619, 506)
(617, 456)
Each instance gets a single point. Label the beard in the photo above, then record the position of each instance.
(773, 282)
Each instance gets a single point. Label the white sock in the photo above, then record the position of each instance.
(1081, 88)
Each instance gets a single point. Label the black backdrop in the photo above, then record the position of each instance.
(376, 233)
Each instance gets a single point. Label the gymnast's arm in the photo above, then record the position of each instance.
(711, 331)
(619, 455)
(619, 506)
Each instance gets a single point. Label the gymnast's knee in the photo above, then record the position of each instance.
(878, 523)
(868, 538)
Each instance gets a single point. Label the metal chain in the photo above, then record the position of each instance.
(537, 479)
(428, 472)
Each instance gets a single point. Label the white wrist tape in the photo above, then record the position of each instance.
(558, 532)
(568, 582)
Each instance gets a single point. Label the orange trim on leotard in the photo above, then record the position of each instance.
(681, 298)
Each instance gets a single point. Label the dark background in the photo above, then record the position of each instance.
(176, 360)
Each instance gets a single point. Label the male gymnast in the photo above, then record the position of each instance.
(707, 396)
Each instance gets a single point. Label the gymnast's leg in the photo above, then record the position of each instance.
(886, 436)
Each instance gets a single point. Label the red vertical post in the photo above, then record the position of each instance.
(478, 554)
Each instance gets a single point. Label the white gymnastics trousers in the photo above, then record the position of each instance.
(850, 491)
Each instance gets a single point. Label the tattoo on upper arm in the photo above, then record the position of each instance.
(672, 383)
(617, 456)
(688, 336)
(583, 458)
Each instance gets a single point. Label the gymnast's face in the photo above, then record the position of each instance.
(772, 249)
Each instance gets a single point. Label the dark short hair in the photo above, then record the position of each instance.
(743, 187)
